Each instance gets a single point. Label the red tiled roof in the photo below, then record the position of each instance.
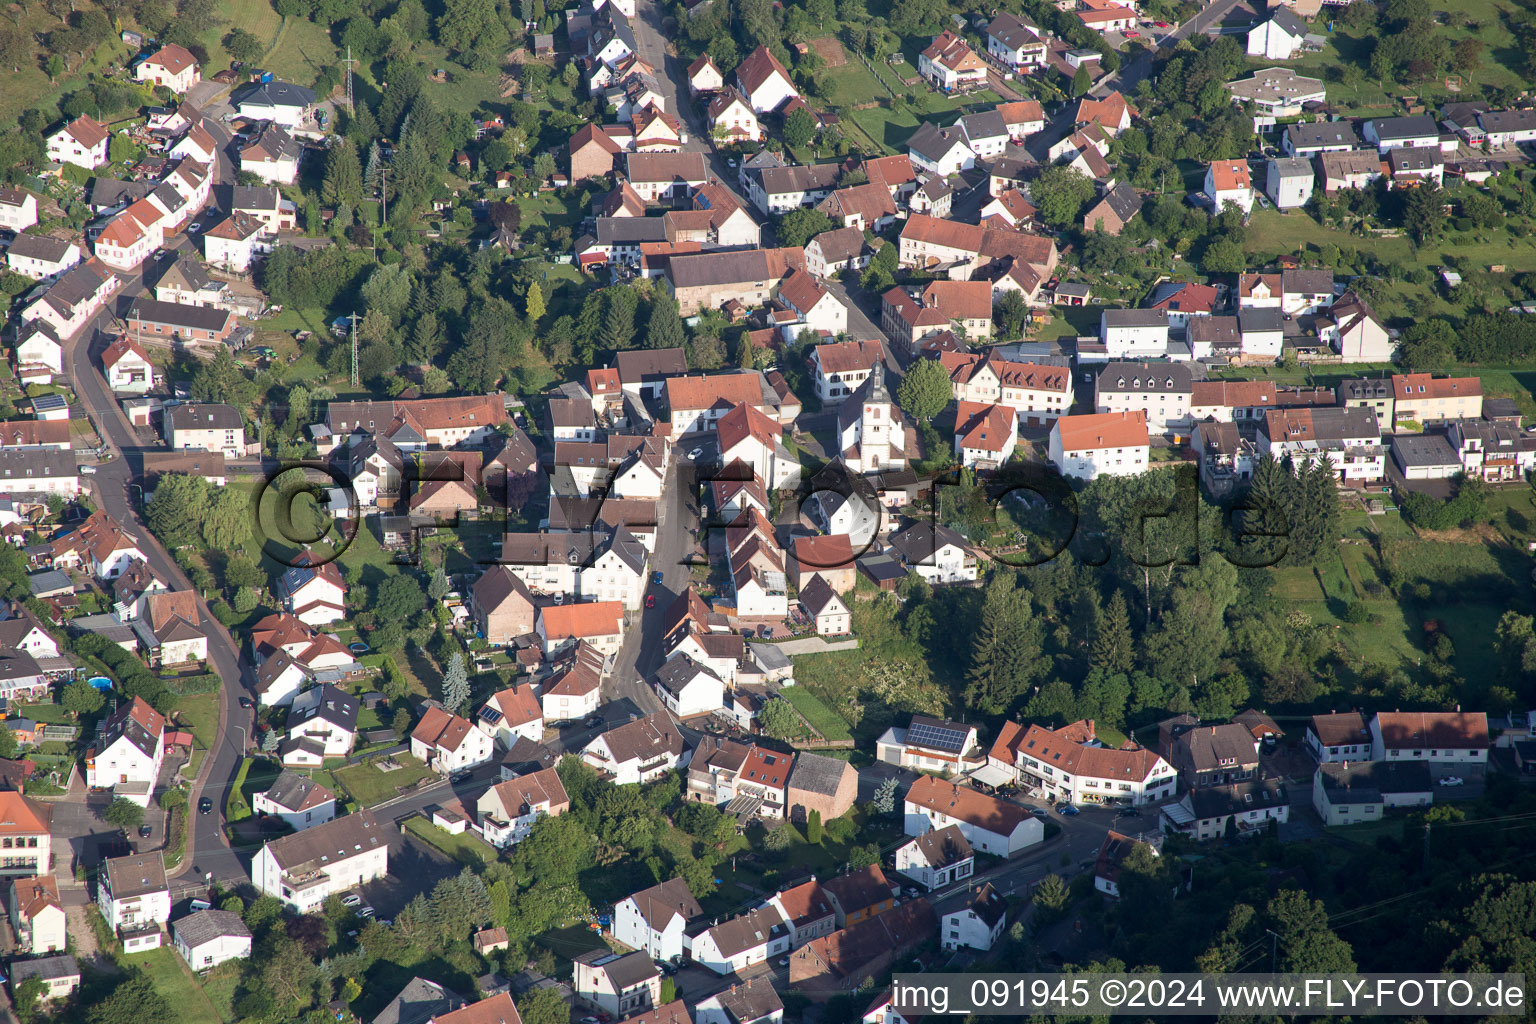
(438, 728)
(1411, 386)
(1102, 430)
(984, 427)
(173, 58)
(583, 619)
(1456, 730)
(759, 66)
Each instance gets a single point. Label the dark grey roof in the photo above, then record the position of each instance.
(327, 704)
(1415, 158)
(986, 124)
(135, 875)
(110, 192)
(985, 902)
(1423, 450)
(186, 273)
(1391, 129)
(48, 968)
(39, 247)
(208, 925)
(749, 1002)
(274, 94)
(679, 671)
(1505, 121)
(1126, 377)
(920, 542)
(23, 469)
(1237, 798)
(1283, 18)
(174, 314)
(624, 970)
(816, 773)
(813, 178)
(327, 844)
(630, 230)
(295, 792)
(933, 142)
(419, 1002)
(1208, 748)
(942, 847)
(1135, 318)
(255, 197)
(1291, 167)
(1366, 782)
(203, 417)
(1328, 133)
(1124, 200)
(817, 594)
(1259, 319)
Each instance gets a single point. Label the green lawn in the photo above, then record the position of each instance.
(255, 776)
(200, 713)
(822, 718)
(220, 985)
(368, 786)
(172, 980)
(49, 714)
(469, 850)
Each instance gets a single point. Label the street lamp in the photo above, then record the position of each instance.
(243, 740)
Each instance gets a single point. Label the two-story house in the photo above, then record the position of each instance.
(937, 858)
(654, 919)
(306, 868)
(128, 752)
(506, 812)
(990, 825)
(448, 743)
(299, 801)
(132, 894)
(638, 751)
(26, 845)
(622, 984)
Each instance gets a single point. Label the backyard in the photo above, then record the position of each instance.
(368, 785)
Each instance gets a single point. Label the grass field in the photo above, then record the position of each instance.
(200, 713)
(177, 985)
(368, 786)
(822, 718)
(467, 849)
(255, 776)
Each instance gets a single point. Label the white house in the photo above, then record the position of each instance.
(936, 553)
(731, 946)
(598, 623)
(751, 438)
(211, 937)
(37, 352)
(171, 66)
(40, 256)
(1288, 182)
(940, 150)
(25, 833)
(1338, 737)
(82, 142)
(1456, 737)
(574, 690)
(749, 1003)
(37, 915)
(638, 751)
(128, 752)
(1360, 791)
(1228, 181)
(18, 209)
(234, 242)
(1239, 809)
(305, 868)
(937, 858)
(839, 368)
(654, 919)
(950, 64)
(131, 892)
(765, 82)
(323, 719)
(1071, 764)
(281, 102)
(511, 714)
(506, 812)
(990, 825)
(985, 434)
(447, 743)
(1112, 855)
(1113, 444)
(973, 919)
(273, 156)
(822, 605)
(205, 427)
(817, 308)
(931, 745)
(1015, 42)
(985, 133)
(732, 119)
(688, 688)
(1418, 131)
(1134, 333)
(1278, 37)
(298, 800)
(1349, 438)
(315, 595)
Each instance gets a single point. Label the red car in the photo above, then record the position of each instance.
(1160, 24)
(1133, 35)
(650, 600)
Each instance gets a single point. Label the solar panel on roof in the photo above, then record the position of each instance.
(927, 734)
(489, 715)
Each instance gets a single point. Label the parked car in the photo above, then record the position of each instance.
(365, 912)
(197, 905)
(204, 805)
(351, 899)
(1451, 780)
(145, 831)
(695, 453)
(1068, 811)
(657, 577)
(650, 600)
(245, 702)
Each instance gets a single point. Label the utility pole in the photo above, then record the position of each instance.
(349, 62)
(356, 382)
(1274, 951)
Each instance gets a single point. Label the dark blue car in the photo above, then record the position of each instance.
(656, 578)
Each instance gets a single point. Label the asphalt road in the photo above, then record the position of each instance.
(1130, 75)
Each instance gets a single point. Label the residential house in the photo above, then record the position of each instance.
(1454, 737)
(1220, 812)
(18, 209)
(298, 800)
(233, 242)
(1276, 93)
(25, 836)
(448, 743)
(314, 594)
(1114, 210)
(1355, 332)
(732, 119)
(637, 751)
(937, 858)
(941, 306)
(704, 76)
(127, 753)
(59, 974)
(308, 867)
(132, 894)
(265, 204)
(186, 283)
(950, 65)
(985, 435)
(507, 812)
(1134, 333)
(943, 151)
(1112, 444)
(1215, 755)
(82, 142)
(497, 1009)
(573, 691)
(823, 784)
(929, 744)
(1015, 42)
(321, 723)
(211, 937)
(765, 82)
(747, 1003)
(859, 895)
(832, 252)
(1113, 113)
(973, 918)
(936, 553)
(73, 299)
(1425, 399)
(1418, 131)
(171, 628)
(1352, 793)
(807, 306)
(736, 944)
(1309, 139)
(845, 959)
(213, 428)
(1492, 450)
(1412, 167)
(183, 325)
(839, 368)
(37, 353)
(868, 207)
(826, 610)
(779, 189)
(1349, 169)
(990, 825)
(806, 911)
(501, 606)
(930, 243)
(1160, 392)
(1071, 764)
(985, 133)
(274, 100)
(1227, 181)
(512, 714)
(40, 256)
(1112, 856)
(689, 689)
(273, 156)
(618, 983)
(654, 919)
(1288, 182)
(1035, 392)
(710, 280)
(1350, 439)
(598, 623)
(1339, 737)
(1277, 37)
(37, 915)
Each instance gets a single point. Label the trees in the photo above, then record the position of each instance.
(813, 827)
(666, 327)
(465, 23)
(1060, 194)
(1112, 642)
(343, 181)
(124, 813)
(455, 683)
(619, 317)
(438, 586)
(226, 519)
(1424, 213)
(398, 599)
(799, 128)
(543, 1006)
(799, 226)
(925, 389)
(1306, 944)
(1007, 649)
(179, 509)
(780, 720)
(534, 303)
(243, 46)
(1081, 82)
(81, 698)
(884, 801)
(1009, 313)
